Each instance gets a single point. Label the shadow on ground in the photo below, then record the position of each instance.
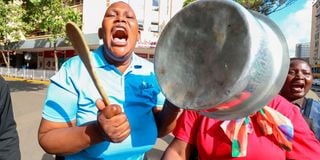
(155, 154)
(48, 157)
(16, 86)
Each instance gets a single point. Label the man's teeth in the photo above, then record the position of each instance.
(119, 40)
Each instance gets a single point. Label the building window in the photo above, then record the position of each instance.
(155, 3)
(154, 27)
(140, 27)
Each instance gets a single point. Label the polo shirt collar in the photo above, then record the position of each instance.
(99, 61)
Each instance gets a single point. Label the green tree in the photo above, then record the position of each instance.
(186, 2)
(12, 26)
(265, 7)
(51, 16)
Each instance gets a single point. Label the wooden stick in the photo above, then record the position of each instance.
(80, 45)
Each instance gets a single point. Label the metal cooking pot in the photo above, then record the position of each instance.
(218, 58)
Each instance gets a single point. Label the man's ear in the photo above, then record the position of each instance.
(100, 34)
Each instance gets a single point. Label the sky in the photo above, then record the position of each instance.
(295, 23)
(294, 20)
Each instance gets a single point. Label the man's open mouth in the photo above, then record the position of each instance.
(298, 87)
(119, 36)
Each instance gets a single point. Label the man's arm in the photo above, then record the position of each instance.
(166, 118)
(64, 138)
(177, 150)
(67, 138)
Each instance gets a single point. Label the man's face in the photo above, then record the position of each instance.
(120, 30)
(298, 82)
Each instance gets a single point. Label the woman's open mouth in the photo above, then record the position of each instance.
(298, 87)
(119, 36)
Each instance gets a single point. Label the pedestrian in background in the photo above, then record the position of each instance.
(9, 139)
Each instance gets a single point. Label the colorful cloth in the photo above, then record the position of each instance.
(212, 143)
(270, 121)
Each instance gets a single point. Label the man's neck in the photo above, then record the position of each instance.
(121, 63)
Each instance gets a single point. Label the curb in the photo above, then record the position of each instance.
(45, 82)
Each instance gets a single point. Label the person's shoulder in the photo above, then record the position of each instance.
(73, 61)
(277, 101)
(142, 62)
(190, 115)
(283, 106)
(76, 61)
(314, 101)
(313, 95)
(70, 68)
(314, 108)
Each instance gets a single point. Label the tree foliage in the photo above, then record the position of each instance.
(51, 16)
(265, 7)
(12, 26)
(19, 18)
(186, 2)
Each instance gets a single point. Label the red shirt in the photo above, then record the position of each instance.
(212, 143)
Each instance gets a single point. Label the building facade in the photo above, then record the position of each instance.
(315, 26)
(152, 17)
(303, 51)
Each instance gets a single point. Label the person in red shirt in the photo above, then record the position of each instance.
(295, 89)
(194, 130)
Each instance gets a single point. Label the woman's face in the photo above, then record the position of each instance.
(120, 30)
(298, 82)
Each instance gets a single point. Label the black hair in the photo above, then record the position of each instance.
(299, 59)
